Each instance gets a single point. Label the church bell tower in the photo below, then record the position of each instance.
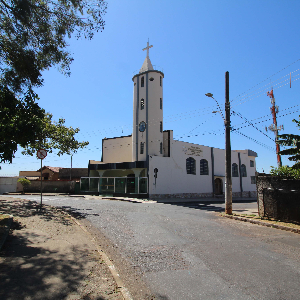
(147, 135)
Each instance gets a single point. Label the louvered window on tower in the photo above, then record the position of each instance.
(190, 166)
(160, 127)
(203, 167)
(142, 81)
(160, 148)
(142, 148)
(160, 80)
(160, 103)
(142, 104)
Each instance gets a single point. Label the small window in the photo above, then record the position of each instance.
(190, 166)
(151, 79)
(203, 167)
(160, 103)
(160, 80)
(160, 127)
(253, 180)
(142, 148)
(243, 171)
(235, 171)
(142, 104)
(251, 163)
(142, 81)
(160, 148)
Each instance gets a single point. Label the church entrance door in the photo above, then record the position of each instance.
(218, 186)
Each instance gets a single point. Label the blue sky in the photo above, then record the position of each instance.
(194, 44)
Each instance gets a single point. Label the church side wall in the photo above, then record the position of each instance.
(236, 187)
(173, 180)
(247, 185)
(117, 149)
(172, 177)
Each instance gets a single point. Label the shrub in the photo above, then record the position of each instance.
(285, 172)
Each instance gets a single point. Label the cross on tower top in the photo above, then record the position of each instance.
(147, 48)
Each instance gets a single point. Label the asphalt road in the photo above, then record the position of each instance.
(189, 252)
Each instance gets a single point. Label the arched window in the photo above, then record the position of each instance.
(203, 167)
(160, 127)
(161, 148)
(235, 171)
(142, 82)
(190, 166)
(160, 80)
(243, 171)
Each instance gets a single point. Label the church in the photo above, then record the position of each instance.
(150, 163)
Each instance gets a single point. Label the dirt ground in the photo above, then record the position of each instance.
(48, 256)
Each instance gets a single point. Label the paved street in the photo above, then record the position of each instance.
(188, 251)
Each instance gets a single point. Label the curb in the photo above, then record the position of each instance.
(6, 231)
(258, 222)
(124, 291)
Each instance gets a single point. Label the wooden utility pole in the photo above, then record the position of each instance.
(228, 179)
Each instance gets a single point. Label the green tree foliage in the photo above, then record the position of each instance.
(292, 141)
(34, 37)
(55, 136)
(24, 181)
(285, 172)
(34, 33)
(20, 122)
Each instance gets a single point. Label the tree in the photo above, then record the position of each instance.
(285, 172)
(292, 141)
(24, 182)
(33, 38)
(20, 122)
(55, 136)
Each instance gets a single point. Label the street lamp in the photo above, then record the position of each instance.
(228, 179)
(220, 111)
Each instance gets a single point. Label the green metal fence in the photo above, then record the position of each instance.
(114, 185)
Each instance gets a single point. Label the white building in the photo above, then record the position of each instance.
(150, 162)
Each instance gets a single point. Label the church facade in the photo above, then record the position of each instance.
(151, 163)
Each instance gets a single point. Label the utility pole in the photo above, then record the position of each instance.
(228, 179)
(274, 110)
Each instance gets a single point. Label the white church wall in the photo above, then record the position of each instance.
(172, 177)
(236, 188)
(117, 149)
(247, 185)
(219, 162)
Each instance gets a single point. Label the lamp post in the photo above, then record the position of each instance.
(228, 178)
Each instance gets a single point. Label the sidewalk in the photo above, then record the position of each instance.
(48, 256)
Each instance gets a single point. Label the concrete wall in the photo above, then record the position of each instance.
(8, 184)
(51, 187)
(117, 149)
(278, 198)
(172, 177)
